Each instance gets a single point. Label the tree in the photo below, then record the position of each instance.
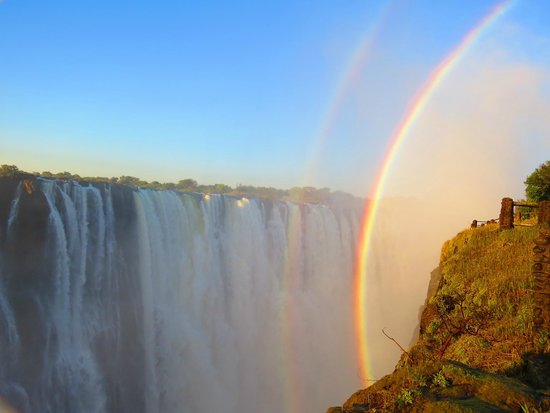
(66, 176)
(222, 188)
(10, 171)
(187, 185)
(169, 186)
(537, 185)
(131, 181)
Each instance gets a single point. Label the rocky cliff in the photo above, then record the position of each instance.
(482, 345)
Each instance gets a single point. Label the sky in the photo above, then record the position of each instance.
(276, 94)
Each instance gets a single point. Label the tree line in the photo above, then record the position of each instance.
(537, 186)
(296, 194)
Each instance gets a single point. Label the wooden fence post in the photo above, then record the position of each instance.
(506, 217)
(541, 273)
(544, 214)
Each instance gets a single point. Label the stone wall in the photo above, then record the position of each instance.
(544, 214)
(541, 272)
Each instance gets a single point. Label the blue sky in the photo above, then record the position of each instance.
(236, 92)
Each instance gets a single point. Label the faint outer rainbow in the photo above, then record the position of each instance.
(344, 84)
(371, 207)
(293, 393)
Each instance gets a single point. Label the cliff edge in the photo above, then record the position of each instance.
(481, 345)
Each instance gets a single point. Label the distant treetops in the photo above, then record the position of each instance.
(296, 194)
(537, 185)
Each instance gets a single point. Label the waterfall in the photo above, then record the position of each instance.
(123, 300)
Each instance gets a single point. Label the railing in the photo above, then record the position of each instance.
(518, 215)
(480, 223)
(507, 216)
(510, 215)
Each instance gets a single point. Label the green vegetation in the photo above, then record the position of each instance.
(478, 349)
(485, 300)
(440, 380)
(296, 194)
(406, 397)
(187, 185)
(12, 171)
(525, 409)
(537, 185)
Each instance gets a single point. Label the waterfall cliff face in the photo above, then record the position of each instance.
(121, 300)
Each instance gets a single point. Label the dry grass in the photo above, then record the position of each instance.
(488, 272)
(477, 331)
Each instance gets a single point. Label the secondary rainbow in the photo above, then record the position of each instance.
(344, 84)
(412, 113)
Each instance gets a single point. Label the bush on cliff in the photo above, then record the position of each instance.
(538, 184)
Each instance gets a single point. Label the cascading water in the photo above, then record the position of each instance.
(121, 300)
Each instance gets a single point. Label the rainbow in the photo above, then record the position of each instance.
(293, 397)
(412, 113)
(294, 401)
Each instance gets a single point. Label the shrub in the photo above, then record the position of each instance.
(537, 185)
(406, 397)
(439, 380)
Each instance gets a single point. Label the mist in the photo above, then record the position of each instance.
(484, 130)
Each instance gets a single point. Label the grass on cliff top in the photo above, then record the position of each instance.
(485, 301)
(478, 349)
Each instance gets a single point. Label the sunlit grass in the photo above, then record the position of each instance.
(477, 334)
(490, 271)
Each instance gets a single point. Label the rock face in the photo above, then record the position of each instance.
(429, 310)
(544, 214)
(541, 274)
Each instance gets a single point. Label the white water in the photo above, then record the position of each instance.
(240, 306)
